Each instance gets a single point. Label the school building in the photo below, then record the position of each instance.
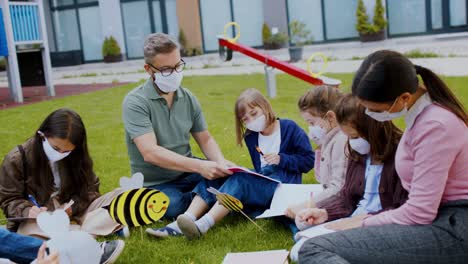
(77, 28)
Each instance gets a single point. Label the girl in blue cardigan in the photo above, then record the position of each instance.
(279, 148)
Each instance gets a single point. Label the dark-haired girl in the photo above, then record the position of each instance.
(432, 162)
(48, 171)
(372, 184)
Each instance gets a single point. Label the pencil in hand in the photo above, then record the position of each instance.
(259, 150)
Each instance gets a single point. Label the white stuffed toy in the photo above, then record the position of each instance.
(72, 246)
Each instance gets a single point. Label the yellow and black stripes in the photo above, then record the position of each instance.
(131, 207)
(230, 202)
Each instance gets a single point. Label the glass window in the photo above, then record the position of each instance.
(91, 35)
(406, 16)
(340, 24)
(66, 30)
(308, 12)
(436, 14)
(249, 15)
(457, 12)
(158, 24)
(57, 3)
(172, 20)
(86, 1)
(137, 26)
(215, 14)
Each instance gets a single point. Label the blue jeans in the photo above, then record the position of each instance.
(18, 248)
(254, 192)
(179, 193)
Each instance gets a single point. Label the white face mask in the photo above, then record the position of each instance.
(257, 125)
(316, 133)
(52, 154)
(169, 83)
(360, 145)
(386, 115)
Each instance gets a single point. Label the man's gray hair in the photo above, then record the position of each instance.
(158, 43)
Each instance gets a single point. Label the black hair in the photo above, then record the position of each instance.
(384, 75)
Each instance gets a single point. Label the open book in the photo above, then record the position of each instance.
(242, 169)
(288, 194)
(270, 257)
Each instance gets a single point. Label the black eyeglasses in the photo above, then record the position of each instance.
(166, 71)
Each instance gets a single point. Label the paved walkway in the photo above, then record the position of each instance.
(39, 93)
(345, 57)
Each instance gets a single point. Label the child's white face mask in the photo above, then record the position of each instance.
(257, 125)
(316, 134)
(52, 154)
(360, 145)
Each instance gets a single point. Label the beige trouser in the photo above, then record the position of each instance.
(95, 221)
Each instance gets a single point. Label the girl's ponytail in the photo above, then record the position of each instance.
(441, 94)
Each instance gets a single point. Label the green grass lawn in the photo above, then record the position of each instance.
(101, 112)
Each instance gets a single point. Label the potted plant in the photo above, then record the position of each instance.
(376, 30)
(273, 40)
(111, 50)
(300, 35)
(184, 50)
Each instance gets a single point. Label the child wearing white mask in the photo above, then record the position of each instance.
(53, 169)
(279, 148)
(371, 184)
(316, 107)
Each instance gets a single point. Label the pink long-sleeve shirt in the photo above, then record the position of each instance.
(432, 162)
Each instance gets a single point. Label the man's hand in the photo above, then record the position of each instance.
(43, 259)
(212, 170)
(272, 159)
(313, 216)
(229, 163)
(35, 211)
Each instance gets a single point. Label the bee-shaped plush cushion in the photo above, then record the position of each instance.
(138, 206)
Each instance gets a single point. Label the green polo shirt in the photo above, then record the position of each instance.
(145, 111)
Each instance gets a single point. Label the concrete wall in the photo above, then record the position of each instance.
(111, 21)
(274, 12)
(189, 21)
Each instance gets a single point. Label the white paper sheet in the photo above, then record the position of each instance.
(270, 257)
(288, 194)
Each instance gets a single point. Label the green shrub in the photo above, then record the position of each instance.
(379, 23)
(110, 47)
(182, 39)
(416, 53)
(300, 35)
(379, 15)
(266, 33)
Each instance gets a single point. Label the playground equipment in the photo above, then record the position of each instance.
(25, 30)
(228, 45)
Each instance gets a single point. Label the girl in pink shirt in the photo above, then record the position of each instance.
(432, 162)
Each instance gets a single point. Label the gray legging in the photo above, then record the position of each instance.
(443, 241)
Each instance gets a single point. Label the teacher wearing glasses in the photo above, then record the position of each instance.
(159, 118)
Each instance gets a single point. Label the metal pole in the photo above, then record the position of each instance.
(270, 79)
(46, 64)
(16, 92)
